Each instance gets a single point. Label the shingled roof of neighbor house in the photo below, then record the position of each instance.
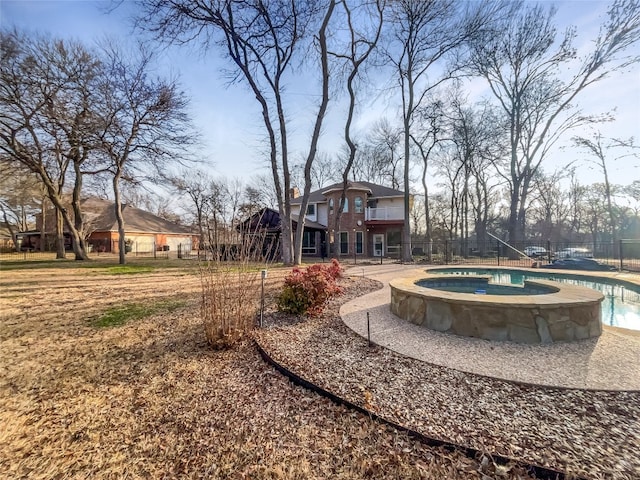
(374, 190)
(102, 217)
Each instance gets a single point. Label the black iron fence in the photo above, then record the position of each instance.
(144, 249)
(106, 248)
(621, 254)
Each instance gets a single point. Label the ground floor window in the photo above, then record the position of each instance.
(309, 243)
(344, 242)
(359, 242)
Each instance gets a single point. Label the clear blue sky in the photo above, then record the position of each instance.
(229, 119)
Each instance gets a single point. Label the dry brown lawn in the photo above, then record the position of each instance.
(151, 399)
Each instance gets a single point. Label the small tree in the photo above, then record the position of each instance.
(231, 288)
(599, 147)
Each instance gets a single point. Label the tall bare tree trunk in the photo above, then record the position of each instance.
(60, 253)
(406, 228)
(322, 38)
(118, 211)
(43, 226)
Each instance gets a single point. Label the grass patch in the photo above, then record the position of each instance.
(36, 264)
(94, 263)
(117, 316)
(128, 269)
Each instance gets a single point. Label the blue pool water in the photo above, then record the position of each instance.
(621, 305)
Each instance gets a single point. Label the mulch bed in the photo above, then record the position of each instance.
(583, 433)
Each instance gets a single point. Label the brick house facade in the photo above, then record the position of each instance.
(370, 225)
(144, 231)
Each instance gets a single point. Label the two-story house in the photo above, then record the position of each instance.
(370, 225)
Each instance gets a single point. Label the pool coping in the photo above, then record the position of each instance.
(565, 293)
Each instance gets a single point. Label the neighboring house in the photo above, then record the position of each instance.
(370, 225)
(6, 241)
(144, 231)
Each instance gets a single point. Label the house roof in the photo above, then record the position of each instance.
(269, 219)
(308, 223)
(374, 191)
(101, 215)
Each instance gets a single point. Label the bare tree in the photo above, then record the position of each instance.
(633, 191)
(47, 122)
(599, 147)
(359, 47)
(385, 141)
(423, 35)
(368, 165)
(20, 197)
(522, 64)
(322, 109)
(575, 195)
(144, 120)
(549, 207)
(261, 39)
(595, 206)
(323, 172)
(264, 190)
(476, 132)
(195, 185)
(252, 202)
(429, 135)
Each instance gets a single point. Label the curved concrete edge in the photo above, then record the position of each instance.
(564, 313)
(383, 310)
(536, 470)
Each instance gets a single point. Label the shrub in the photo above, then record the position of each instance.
(231, 290)
(306, 291)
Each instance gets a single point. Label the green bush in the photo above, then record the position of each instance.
(306, 291)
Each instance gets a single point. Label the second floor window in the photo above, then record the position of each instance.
(311, 210)
(357, 205)
(331, 205)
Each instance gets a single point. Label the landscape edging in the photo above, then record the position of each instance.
(539, 471)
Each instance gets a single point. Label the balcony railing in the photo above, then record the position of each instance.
(384, 213)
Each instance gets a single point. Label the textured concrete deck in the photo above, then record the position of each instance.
(609, 362)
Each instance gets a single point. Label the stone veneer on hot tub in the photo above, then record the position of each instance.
(568, 313)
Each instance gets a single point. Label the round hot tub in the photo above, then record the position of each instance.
(538, 312)
(482, 286)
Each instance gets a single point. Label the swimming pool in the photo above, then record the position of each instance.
(620, 308)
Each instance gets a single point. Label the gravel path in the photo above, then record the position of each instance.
(594, 434)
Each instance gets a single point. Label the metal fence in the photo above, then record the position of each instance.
(106, 249)
(621, 254)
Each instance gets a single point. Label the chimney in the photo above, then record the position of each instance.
(294, 192)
